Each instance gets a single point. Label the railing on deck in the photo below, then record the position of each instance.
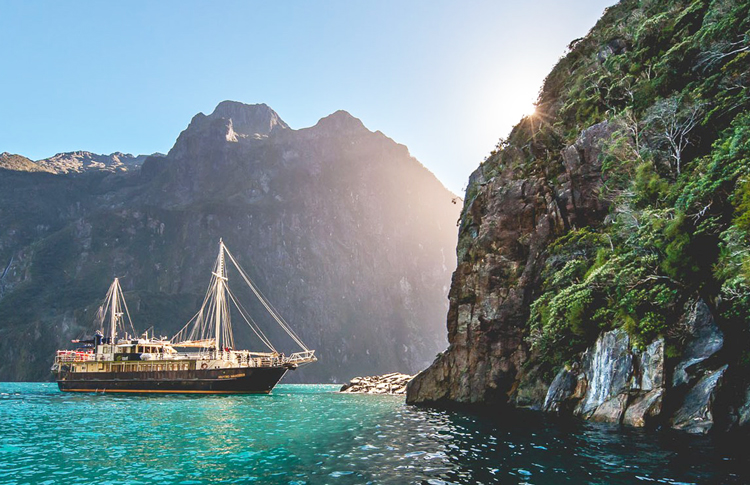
(250, 359)
(73, 356)
(302, 357)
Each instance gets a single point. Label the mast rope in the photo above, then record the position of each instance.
(102, 313)
(200, 324)
(127, 313)
(253, 326)
(266, 303)
(114, 291)
(197, 330)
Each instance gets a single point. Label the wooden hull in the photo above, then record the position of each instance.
(244, 380)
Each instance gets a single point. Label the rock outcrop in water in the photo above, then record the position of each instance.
(393, 383)
(349, 236)
(616, 382)
(602, 256)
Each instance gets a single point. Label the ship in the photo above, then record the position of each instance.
(200, 358)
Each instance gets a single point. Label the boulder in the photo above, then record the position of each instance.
(560, 391)
(393, 383)
(643, 408)
(608, 368)
(616, 383)
(705, 340)
(650, 364)
(696, 413)
(612, 410)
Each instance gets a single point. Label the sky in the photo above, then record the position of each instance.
(445, 78)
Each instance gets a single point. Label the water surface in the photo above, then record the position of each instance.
(309, 434)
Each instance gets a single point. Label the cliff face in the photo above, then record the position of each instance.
(505, 233)
(347, 234)
(601, 257)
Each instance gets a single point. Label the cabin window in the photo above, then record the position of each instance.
(101, 365)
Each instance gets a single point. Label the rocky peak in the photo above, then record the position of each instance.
(231, 122)
(340, 122)
(249, 119)
(18, 163)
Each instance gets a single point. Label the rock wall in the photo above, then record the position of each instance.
(506, 228)
(602, 258)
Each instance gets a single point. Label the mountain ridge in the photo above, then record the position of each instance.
(349, 236)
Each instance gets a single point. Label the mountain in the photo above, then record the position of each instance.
(349, 236)
(604, 246)
(82, 161)
(19, 163)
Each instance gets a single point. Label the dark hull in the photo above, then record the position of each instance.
(247, 380)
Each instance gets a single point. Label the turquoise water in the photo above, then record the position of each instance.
(309, 434)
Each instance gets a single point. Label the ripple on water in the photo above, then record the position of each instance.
(309, 435)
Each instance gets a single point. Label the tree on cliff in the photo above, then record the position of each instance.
(670, 123)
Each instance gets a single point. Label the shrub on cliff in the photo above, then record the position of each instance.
(673, 77)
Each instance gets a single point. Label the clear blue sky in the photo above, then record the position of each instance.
(445, 78)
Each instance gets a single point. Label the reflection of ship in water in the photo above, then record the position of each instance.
(199, 359)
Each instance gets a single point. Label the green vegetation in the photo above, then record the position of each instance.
(673, 78)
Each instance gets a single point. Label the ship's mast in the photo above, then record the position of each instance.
(197, 332)
(114, 311)
(221, 277)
